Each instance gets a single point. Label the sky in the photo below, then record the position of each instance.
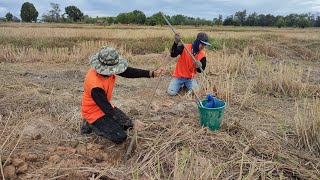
(207, 9)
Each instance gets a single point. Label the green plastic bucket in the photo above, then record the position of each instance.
(212, 117)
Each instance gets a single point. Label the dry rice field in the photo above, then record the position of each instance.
(269, 77)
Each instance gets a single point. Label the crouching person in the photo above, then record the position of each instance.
(99, 115)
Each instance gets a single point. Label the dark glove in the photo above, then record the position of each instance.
(177, 38)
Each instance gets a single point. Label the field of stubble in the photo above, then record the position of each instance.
(269, 78)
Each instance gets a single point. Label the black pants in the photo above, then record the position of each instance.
(113, 128)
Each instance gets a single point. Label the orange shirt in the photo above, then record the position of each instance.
(90, 110)
(185, 67)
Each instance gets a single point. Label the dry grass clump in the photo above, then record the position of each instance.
(307, 120)
(64, 128)
(77, 54)
(282, 49)
(117, 31)
(222, 62)
(24, 95)
(222, 87)
(224, 72)
(284, 79)
(11, 134)
(269, 49)
(11, 53)
(279, 46)
(61, 45)
(80, 52)
(183, 151)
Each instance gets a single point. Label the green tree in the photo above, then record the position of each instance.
(178, 19)
(150, 21)
(240, 16)
(110, 20)
(9, 16)
(74, 13)
(159, 19)
(261, 20)
(89, 20)
(136, 17)
(317, 23)
(280, 22)
(303, 22)
(28, 12)
(190, 21)
(252, 19)
(229, 21)
(218, 21)
(15, 19)
(130, 18)
(115, 21)
(47, 18)
(270, 20)
(55, 11)
(53, 15)
(291, 20)
(139, 17)
(122, 18)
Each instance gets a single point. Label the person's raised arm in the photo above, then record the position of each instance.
(175, 49)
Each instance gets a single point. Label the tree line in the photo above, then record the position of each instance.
(73, 14)
(240, 18)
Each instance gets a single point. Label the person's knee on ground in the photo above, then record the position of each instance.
(174, 86)
(119, 138)
(116, 136)
(109, 129)
(172, 92)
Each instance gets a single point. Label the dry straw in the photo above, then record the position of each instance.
(284, 79)
(307, 120)
(173, 145)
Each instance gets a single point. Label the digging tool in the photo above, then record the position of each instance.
(197, 97)
(133, 141)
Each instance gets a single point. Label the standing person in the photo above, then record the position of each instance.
(98, 113)
(186, 70)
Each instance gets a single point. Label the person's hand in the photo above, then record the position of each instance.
(159, 71)
(177, 38)
(138, 125)
(198, 64)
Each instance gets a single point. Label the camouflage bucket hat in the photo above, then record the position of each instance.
(108, 61)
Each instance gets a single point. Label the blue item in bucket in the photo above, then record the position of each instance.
(212, 117)
(210, 101)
